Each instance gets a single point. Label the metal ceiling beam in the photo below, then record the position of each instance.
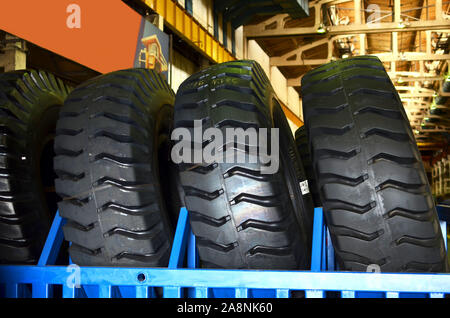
(416, 79)
(413, 102)
(434, 130)
(295, 81)
(412, 56)
(417, 100)
(395, 77)
(414, 88)
(295, 57)
(261, 30)
(406, 95)
(414, 106)
(416, 110)
(412, 74)
(275, 27)
(274, 61)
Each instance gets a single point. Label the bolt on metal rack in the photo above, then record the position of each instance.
(182, 278)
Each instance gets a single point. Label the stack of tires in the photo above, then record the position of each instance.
(106, 149)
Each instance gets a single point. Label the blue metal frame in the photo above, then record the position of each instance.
(39, 281)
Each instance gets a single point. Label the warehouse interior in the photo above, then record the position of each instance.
(410, 37)
(289, 39)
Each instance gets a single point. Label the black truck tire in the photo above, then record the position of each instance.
(301, 140)
(110, 141)
(376, 197)
(29, 105)
(243, 218)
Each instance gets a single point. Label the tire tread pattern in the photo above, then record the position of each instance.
(107, 175)
(240, 217)
(374, 190)
(24, 217)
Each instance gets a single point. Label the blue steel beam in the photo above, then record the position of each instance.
(135, 282)
(251, 279)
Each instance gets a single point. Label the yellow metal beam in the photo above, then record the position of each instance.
(185, 25)
(430, 145)
(181, 22)
(291, 115)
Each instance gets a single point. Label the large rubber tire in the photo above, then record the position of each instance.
(242, 218)
(375, 193)
(301, 140)
(110, 141)
(29, 106)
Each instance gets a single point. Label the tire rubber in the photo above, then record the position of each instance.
(377, 201)
(242, 218)
(301, 140)
(109, 139)
(29, 105)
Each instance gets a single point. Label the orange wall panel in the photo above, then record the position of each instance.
(106, 40)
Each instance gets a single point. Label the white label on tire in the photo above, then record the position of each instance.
(304, 187)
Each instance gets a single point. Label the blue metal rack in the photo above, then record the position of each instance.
(183, 279)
